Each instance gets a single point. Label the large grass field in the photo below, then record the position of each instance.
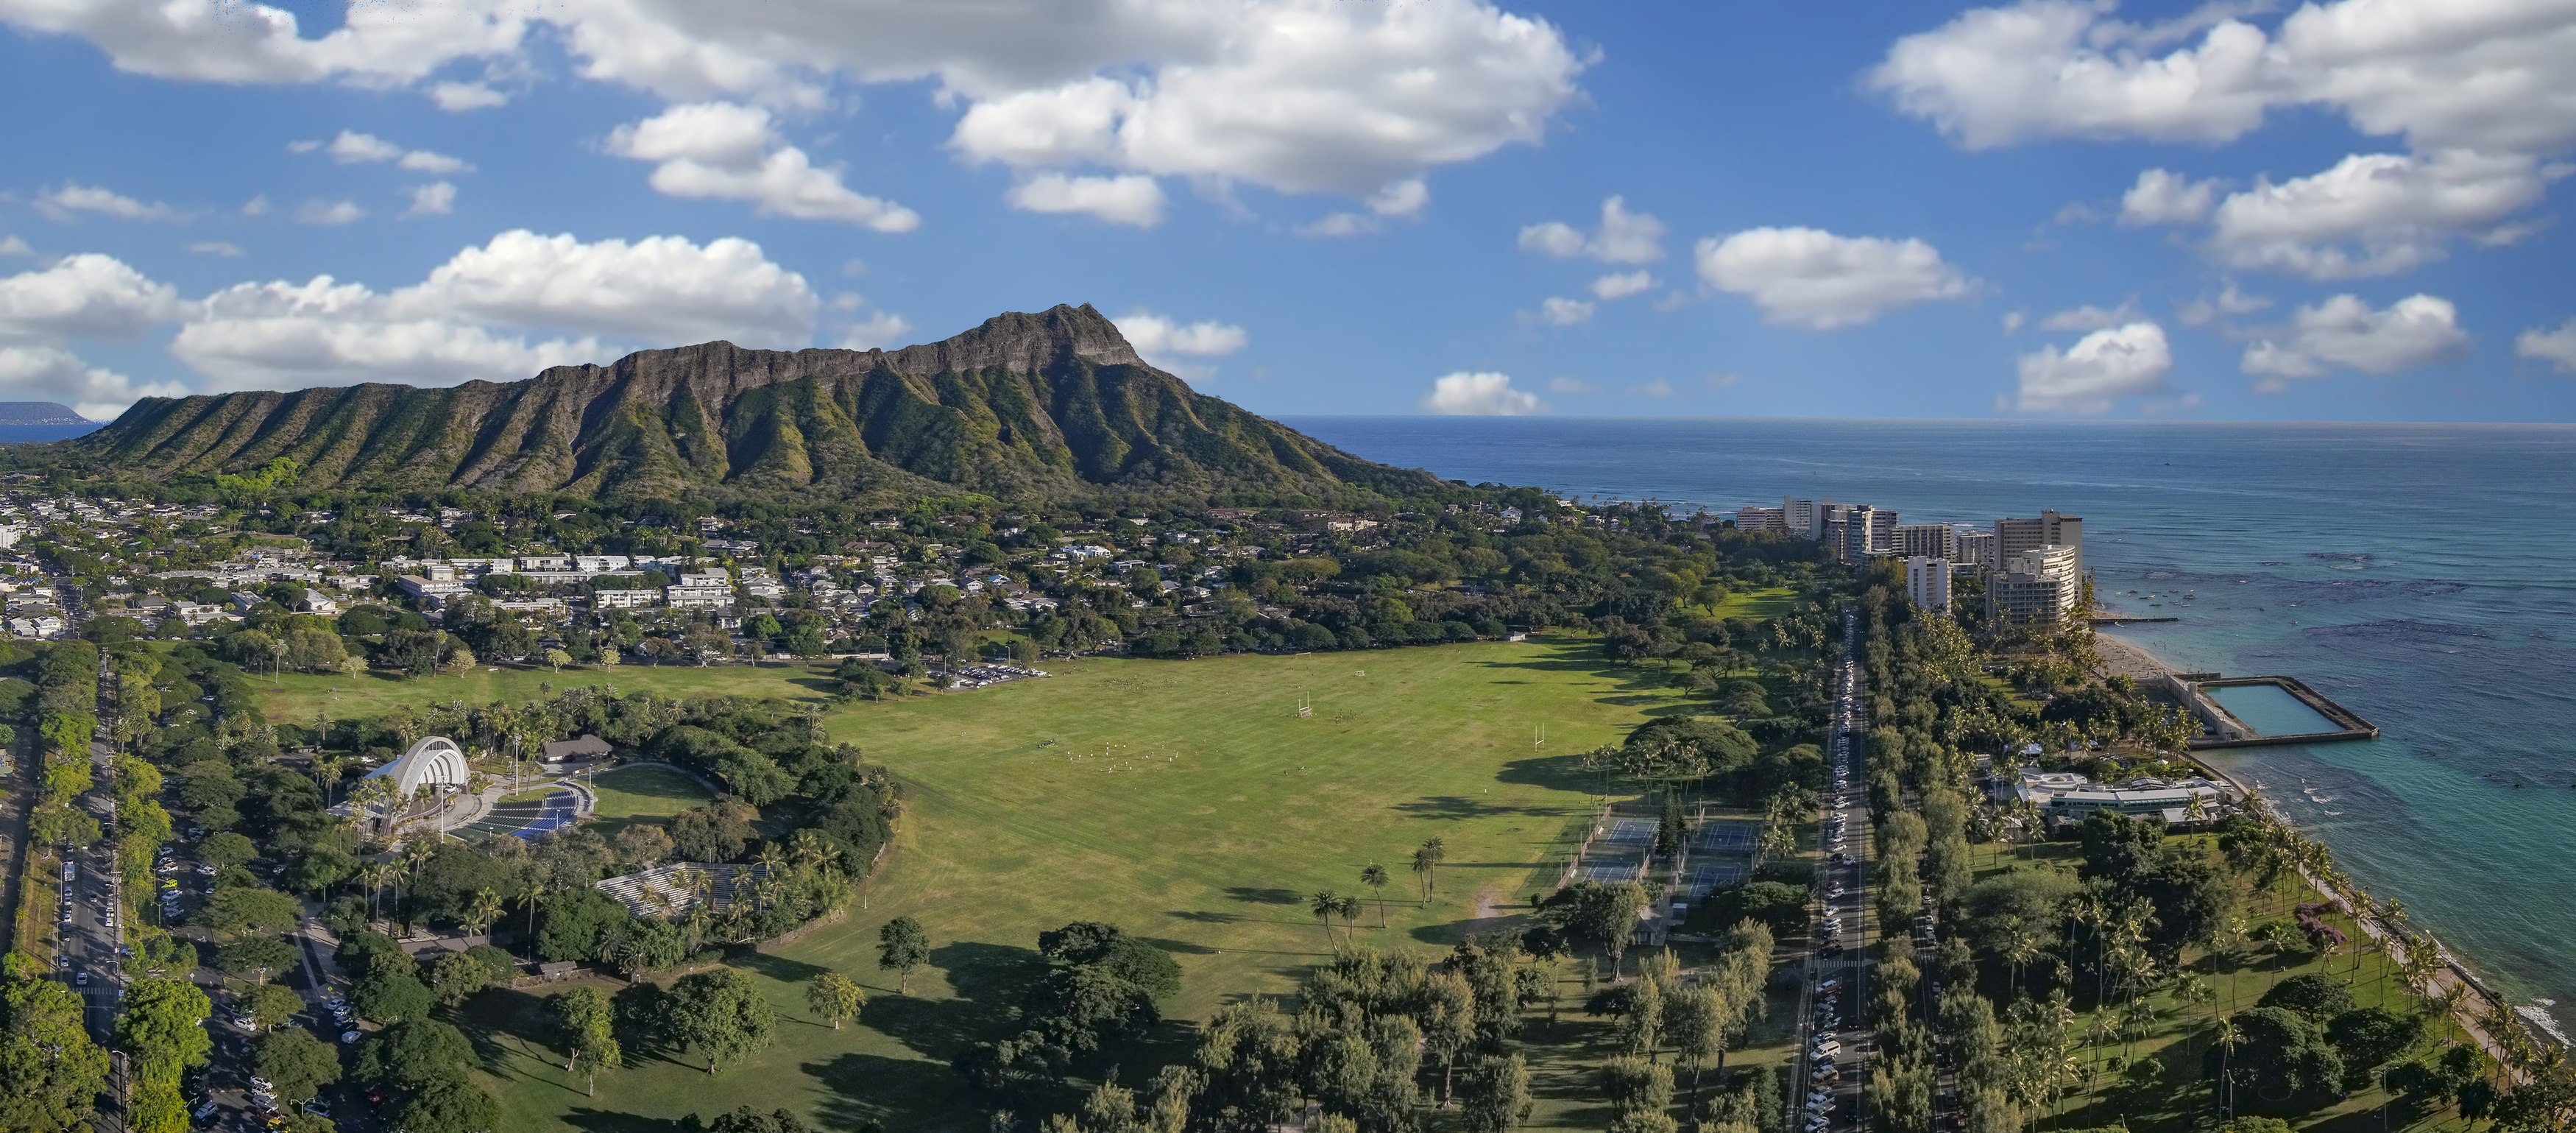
(1768, 602)
(647, 793)
(296, 697)
(1186, 802)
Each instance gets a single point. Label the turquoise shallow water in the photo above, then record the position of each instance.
(2271, 710)
(2422, 576)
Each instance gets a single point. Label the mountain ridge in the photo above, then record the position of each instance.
(1053, 403)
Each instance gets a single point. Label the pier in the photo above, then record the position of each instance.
(2229, 731)
(2116, 621)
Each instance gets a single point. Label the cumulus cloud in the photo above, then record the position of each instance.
(457, 98)
(2480, 74)
(2344, 333)
(69, 200)
(353, 148)
(2089, 317)
(1297, 95)
(1623, 238)
(1132, 199)
(2162, 196)
(329, 213)
(1402, 199)
(1558, 311)
(50, 373)
(215, 248)
(1168, 343)
(83, 296)
(1812, 278)
(2086, 378)
(2228, 303)
(2375, 214)
(1620, 285)
(729, 151)
(434, 199)
(1479, 394)
(881, 329)
(459, 323)
(2556, 347)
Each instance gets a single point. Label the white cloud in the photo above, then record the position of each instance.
(83, 296)
(50, 373)
(256, 206)
(2108, 364)
(2013, 321)
(2229, 302)
(354, 148)
(457, 98)
(2089, 317)
(215, 248)
(2481, 74)
(1571, 385)
(1620, 285)
(2344, 333)
(1556, 310)
(879, 330)
(1296, 95)
(287, 336)
(62, 203)
(1483, 394)
(435, 199)
(1402, 199)
(1812, 278)
(1623, 238)
(1656, 388)
(1339, 224)
(730, 152)
(2162, 196)
(1132, 199)
(13, 246)
(2557, 347)
(2374, 214)
(329, 212)
(661, 289)
(1156, 337)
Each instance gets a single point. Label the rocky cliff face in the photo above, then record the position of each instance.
(1049, 404)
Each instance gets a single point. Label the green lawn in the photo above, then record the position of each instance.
(1769, 602)
(1186, 802)
(629, 794)
(297, 696)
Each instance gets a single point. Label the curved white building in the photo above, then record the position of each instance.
(434, 761)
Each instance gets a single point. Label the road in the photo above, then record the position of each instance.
(1835, 1043)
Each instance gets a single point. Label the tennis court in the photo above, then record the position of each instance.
(1631, 832)
(525, 819)
(1729, 837)
(1612, 873)
(1707, 876)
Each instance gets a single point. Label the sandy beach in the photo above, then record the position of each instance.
(2123, 659)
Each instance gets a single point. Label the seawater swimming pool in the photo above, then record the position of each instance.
(2271, 710)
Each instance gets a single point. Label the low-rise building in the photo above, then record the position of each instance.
(1761, 519)
(624, 599)
(431, 587)
(2063, 796)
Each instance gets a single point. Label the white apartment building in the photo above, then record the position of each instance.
(624, 599)
(1977, 549)
(1927, 582)
(2036, 587)
(1750, 519)
(2014, 536)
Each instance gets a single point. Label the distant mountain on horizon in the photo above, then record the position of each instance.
(1050, 405)
(25, 413)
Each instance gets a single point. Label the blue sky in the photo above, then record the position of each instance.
(2347, 210)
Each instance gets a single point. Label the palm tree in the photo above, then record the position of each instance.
(1375, 878)
(530, 893)
(2226, 1036)
(1438, 853)
(485, 910)
(768, 859)
(1324, 904)
(1348, 908)
(1422, 864)
(2021, 946)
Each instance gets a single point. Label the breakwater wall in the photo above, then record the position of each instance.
(2229, 731)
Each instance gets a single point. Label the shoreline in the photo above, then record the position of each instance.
(2137, 662)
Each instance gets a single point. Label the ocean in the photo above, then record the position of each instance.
(2424, 576)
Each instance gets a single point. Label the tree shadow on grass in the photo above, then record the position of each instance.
(608, 1121)
(778, 968)
(1562, 772)
(1261, 896)
(498, 1013)
(990, 980)
(1451, 932)
(894, 1092)
(1203, 916)
(1181, 946)
(1461, 808)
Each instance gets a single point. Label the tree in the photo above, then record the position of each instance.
(835, 997)
(256, 958)
(1324, 904)
(1375, 877)
(1450, 1022)
(458, 975)
(1496, 1095)
(296, 1064)
(557, 659)
(392, 995)
(247, 908)
(272, 1005)
(589, 1027)
(227, 849)
(449, 1105)
(1426, 862)
(163, 1029)
(901, 947)
(52, 1069)
(722, 1013)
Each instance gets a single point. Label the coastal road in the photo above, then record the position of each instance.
(1834, 1044)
